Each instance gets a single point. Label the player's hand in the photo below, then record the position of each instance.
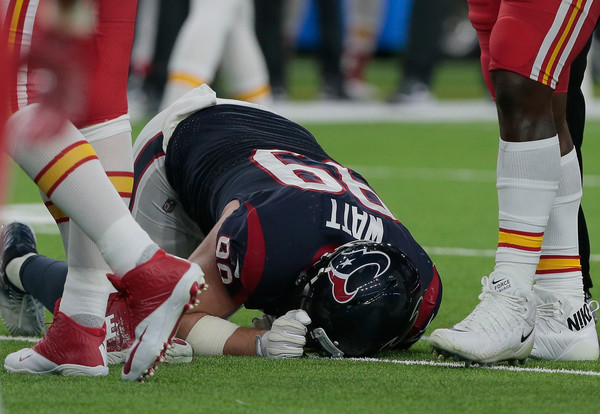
(287, 336)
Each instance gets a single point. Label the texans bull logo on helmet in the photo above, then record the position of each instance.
(355, 262)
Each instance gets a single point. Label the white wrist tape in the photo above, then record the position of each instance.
(209, 334)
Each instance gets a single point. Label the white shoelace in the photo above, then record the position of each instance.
(494, 311)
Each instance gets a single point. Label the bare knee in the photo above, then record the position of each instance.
(524, 107)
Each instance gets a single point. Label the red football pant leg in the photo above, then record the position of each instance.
(5, 77)
(537, 39)
(483, 15)
(107, 94)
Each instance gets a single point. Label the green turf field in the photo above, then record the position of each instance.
(439, 180)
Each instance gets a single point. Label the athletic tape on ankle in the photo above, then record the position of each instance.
(209, 334)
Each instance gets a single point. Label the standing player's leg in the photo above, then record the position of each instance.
(360, 41)
(423, 51)
(105, 125)
(243, 64)
(21, 313)
(331, 49)
(198, 50)
(269, 33)
(68, 171)
(575, 114)
(72, 176)
(564, 327)
(530, 174)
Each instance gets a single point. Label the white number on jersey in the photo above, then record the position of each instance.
(291, 169)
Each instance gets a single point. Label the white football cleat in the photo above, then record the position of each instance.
(500, 328)
(564, 330)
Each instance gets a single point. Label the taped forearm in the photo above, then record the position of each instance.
(209, 335)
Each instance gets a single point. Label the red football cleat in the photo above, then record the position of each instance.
(120, 336)
(156, 293)
(67, 349)
(119, 332)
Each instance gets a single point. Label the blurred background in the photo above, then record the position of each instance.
(388, 55)
(385, 51)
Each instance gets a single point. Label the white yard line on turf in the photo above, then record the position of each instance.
(496, 367)
(19, 338)
(407, 362)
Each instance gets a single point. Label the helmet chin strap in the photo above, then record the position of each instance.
(327, 344)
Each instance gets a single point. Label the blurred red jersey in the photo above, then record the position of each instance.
(76, 63)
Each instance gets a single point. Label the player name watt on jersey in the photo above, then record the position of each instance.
(357, 223)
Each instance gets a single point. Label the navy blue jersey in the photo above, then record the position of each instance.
(208, 157)
(296, 203)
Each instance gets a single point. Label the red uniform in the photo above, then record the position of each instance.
(5, 75)
(101, 94)
(537, 38)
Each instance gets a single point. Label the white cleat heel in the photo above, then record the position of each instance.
(565, 328)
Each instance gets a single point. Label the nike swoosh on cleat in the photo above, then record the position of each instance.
(524, 337)
(127, 366)
(21, 359)
(497, 281)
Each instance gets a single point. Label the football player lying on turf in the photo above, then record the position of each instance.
(276, 225)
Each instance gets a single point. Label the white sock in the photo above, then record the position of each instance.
(559, 270)
(85, 300)
(126, 245)
(112, 142)
(66, 168)
(527, 181)
(85, 296)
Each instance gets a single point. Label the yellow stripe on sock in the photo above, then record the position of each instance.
(558, 264)
(122, 181)
(56, 213)
(520, 240)
(62, 165)
(253, 94)
(186, 78)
